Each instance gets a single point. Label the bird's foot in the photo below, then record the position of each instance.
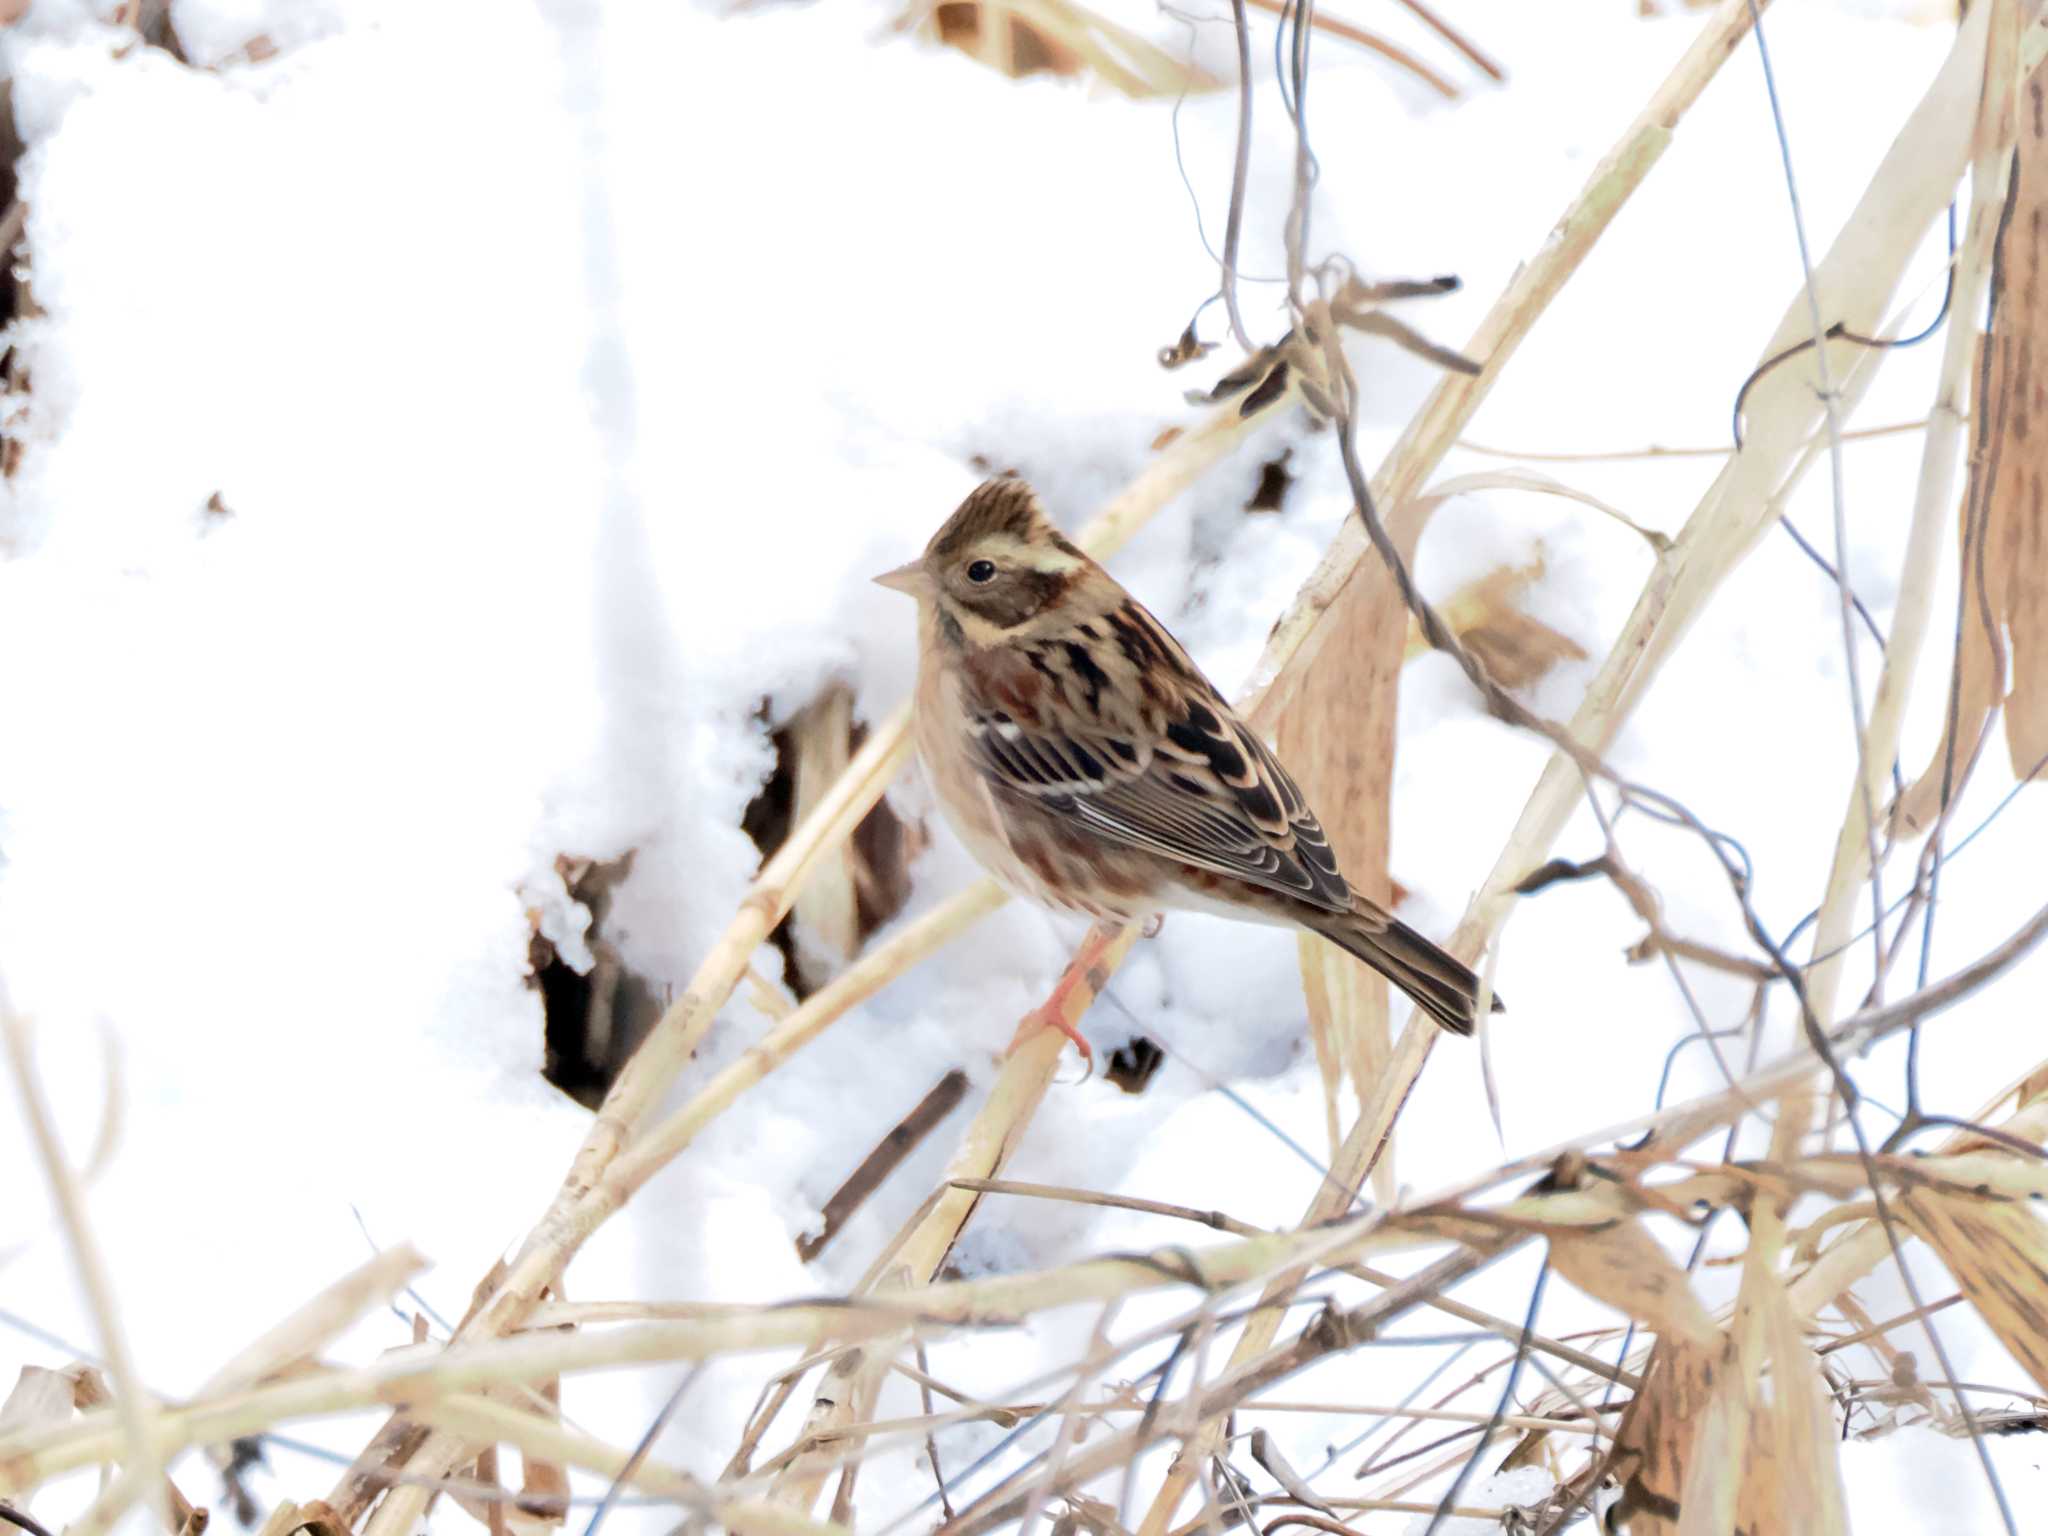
(1049, 1017)
(1153, 924)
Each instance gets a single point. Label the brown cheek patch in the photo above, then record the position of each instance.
(1018, 596)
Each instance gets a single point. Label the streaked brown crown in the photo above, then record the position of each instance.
(1004, 505)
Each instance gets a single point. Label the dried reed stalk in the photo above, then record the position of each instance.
(1983, 139)
(486, 1421)
(1058, 35)
(323, 1319)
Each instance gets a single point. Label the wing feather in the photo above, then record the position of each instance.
(1142, 750)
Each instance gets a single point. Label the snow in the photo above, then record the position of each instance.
(451, 434)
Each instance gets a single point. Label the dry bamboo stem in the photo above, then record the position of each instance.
(1421, 448)
(1996, 124)
(555, 1239)
(486, 1421)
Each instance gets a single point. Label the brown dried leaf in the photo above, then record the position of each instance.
(1515, 649)
(2004, 652)
(1334, 727)
(1793, 1480)
(1996, 1247)
(1621, 1264)
(544, 1494)
(1713, 1462)
(1026, 37)
(1655, 1443)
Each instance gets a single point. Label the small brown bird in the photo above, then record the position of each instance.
(1088, 764)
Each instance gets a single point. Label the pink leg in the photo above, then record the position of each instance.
(1052, 1013)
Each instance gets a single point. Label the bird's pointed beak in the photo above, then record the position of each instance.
(906, 578)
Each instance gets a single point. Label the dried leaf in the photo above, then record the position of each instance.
(1267, 1455)
(1622, 1265)
(1712, 1463)
(1515, 649)
(1334, 727)
(544, 1494)
(1799, 1432)
(1026, 37)
(820, 743)
(1655, 1443)
(40, 1396)
(2004, 597)
(1996, 1247)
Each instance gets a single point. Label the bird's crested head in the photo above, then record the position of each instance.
(997, 568)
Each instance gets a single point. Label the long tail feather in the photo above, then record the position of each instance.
(1442, 985)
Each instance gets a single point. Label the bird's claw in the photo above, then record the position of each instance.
(1039, 1019)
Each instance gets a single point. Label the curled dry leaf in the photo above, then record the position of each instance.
(1515, 649)
(2004, 596)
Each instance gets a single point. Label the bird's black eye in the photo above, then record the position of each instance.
(982, 572)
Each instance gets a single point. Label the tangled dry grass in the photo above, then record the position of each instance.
(1703, 1421)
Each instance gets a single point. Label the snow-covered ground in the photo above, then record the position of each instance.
(445, 434)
